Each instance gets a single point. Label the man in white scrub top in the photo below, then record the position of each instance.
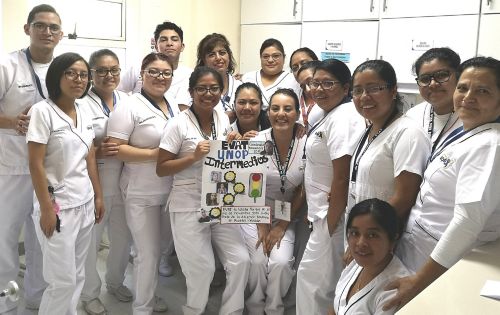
(22, 84)
(169, 40)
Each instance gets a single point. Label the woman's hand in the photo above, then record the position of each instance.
(274, 237)
(250, 134)
(262, 231)
(407, 289)
(48, 222)
(202, 149)
(20, 122)
(98, 210)
(107, 149)
(233, 135)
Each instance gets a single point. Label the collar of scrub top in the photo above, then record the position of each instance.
(283, 169)
(226, 98)
(105, 107)
(33, 73)
(212, 125)
(430, 128)
(171, 113)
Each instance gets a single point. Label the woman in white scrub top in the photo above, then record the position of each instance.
(136, 126)
(271, 246)
(310, 113)
(214, 51)
(63, 169)
(390, 157)
(371, 231)
(185, 142)
(272, 76)
(101, 100)
(329, 147)
(459, 203)
(437, 78)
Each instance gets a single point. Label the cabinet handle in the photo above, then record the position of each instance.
(385, 5)
(489, 2)
(294, 13)
(371, 6)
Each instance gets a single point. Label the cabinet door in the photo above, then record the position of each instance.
(327, 10)
(488, 44)
(412, 8)
(357, 42)
(402, 41)
(275, 11)
(252, 37)
(491, 6)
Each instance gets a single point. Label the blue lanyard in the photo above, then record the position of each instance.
(33, 73)
(105, 107)
(156, 105)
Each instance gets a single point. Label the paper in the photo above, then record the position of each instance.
(491, 289)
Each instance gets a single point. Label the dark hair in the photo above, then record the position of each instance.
(306, 50)
(386, 72)
(308, 65)
(381, 211)
(287, 92)
(96, 55)
(202, 71)
(263, 119)
(208, 43)
(153, 57)
(272, 42)
(41, 9)
(443, 54)
(56, 72)
(489, 63)
(167, 25)
(338, 69)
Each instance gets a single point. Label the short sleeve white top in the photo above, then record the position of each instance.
(226, 102)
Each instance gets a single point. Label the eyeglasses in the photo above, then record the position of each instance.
(73, 75)
(296, 67)
(102, 72)
(325, 85)
(41, 27)
(155, 73)
(369, 90)
(202, 90)
(440, 76)
(273, 56)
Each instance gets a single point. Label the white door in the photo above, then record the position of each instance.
(412, 8)
(402, 41)
(491, 6)
(270, 11)
(328, 10)
(252, 37)
(489, 45)
(355, 43)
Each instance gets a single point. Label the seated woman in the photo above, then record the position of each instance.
(371, 232)
(459, 205)
(271, 271)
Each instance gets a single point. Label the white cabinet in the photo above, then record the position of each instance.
(267, 11)
(402, 41)
(488, 44)
(328, 10)
(357, 42)
(252, 37)
(413, 8)
(490, 6)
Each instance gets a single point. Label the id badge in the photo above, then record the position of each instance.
(351, 198)
(282, 210)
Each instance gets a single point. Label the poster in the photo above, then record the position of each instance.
(234, 182)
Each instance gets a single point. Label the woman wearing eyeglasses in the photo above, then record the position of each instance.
(310, 114)
(63, 170)
(136, 127)
(436, 72)
(100, 102)
(185, 142)
(328, 151)
(271, 77)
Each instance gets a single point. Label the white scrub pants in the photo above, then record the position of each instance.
(64, 257)
(16, 204)
(193, 242)
(270, 277)
(146, 218)
(119, 249)
(320, 269)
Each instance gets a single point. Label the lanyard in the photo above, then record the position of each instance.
(156, 105)
(309, 132)
(226, 99)
(358, 155)
(105, 107)
(305, 114)
(430, 128)
(33, 73)
(212, 125)
(283, 169)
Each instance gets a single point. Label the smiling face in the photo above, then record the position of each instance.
(247, 106)
(439, 95)
(327, 99)
(477, 97)
(156, 87)
(272, 61)
(170, 44)
(218, 59)
(108, 83)
(44, 39)
(72, 86)
(282, 112)
(205, 101)
(368, 242)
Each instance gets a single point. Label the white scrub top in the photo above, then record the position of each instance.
(459, 200)
(66, 151)
(109, 168)
(130, 81)
(285, 80)
(371, 298)
(402, 146)
(226, 102)
(18, 91)
(141, 124)
(331, 138)
(180, 137)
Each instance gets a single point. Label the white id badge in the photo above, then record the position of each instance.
(282, 210)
